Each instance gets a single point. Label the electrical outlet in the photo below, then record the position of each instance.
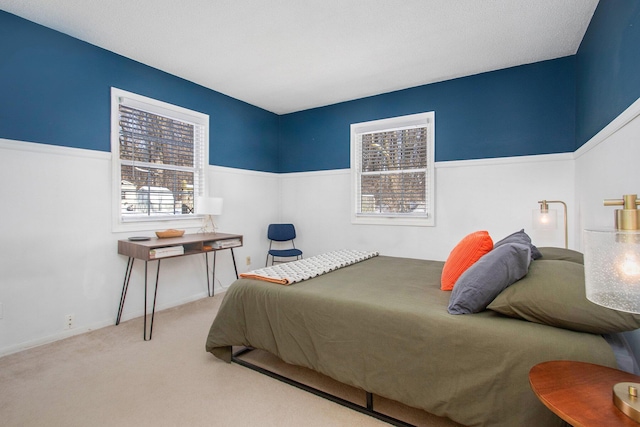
(248, 260)
(68, 321)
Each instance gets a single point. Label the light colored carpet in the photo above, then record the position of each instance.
(112, 377)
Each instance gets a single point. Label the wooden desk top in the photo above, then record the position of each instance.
(581, 393)
(140, 249)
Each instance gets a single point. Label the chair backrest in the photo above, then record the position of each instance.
(281, 232)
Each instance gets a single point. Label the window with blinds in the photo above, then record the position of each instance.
(161, 156)
(392, 169)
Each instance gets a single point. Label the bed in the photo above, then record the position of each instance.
(383, 325)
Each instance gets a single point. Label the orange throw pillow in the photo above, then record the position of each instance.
(467, 251)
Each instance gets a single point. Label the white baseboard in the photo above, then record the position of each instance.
(82, 330)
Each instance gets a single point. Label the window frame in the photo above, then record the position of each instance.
(201, 157)
(427, 120)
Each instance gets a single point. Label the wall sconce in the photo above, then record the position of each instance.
(208, 206)
(612, 278)
(547, 219)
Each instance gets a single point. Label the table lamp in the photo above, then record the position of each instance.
(612, 278)
(208, 206)
(547, 219)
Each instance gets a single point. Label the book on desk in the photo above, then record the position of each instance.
(224, 244)
(166, 252)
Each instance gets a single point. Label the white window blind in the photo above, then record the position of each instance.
(161, 155)
(393, 170)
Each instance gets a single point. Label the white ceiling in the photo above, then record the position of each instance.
(291, 55)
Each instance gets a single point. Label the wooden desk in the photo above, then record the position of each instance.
(200, 243)
(580, 393)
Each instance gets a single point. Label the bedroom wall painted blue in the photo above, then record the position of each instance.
(55, 90)
(517, 111)
(47, 78)
(608, 64)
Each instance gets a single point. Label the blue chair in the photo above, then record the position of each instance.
(282, 233)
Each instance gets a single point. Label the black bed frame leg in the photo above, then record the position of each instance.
(368, 410)
(369, 401)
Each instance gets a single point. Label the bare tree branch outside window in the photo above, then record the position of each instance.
(393, 172)
(157, 164)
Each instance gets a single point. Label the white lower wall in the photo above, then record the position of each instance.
(59, 255)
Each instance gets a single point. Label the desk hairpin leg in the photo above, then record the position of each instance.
(125, 286)
(211, 284)
(206, 267)
(234, 263)
(123, 296)
(155, 294)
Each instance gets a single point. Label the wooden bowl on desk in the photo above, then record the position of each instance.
(169, 233)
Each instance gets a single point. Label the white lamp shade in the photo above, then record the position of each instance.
(612, 268)
(208, 205)
(545, 220)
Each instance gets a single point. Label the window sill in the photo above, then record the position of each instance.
(404, 221)
(157, 224)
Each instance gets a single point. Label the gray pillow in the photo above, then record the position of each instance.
(553, 294)
(549, 253)
(522, 238)
(488, 276)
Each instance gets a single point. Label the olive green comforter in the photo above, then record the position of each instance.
(382, 325)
